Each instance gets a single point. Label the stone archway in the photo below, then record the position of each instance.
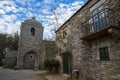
(30, 59)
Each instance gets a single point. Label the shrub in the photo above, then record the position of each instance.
(52, 65)
(47, 65)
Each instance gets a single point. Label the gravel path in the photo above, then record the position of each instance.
(8, 74)
(56, 77)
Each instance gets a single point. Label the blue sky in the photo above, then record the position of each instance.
(13, 12)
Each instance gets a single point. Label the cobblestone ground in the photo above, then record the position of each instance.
(8, 74)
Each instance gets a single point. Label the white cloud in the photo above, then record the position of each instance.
(48, 1)
(42, 10)
(46, 11)
(9, 24)
(2, 11)
(29, 14)
(64, 11)
(10, 6)
(7, 2)
(9, 18)
(9, 28)
(21, 2)
(38, 4)
(76, 3)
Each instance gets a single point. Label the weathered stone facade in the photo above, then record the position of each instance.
(10, 59)
(31, 38)
(84, 42)
(50, 49)
(33, 50)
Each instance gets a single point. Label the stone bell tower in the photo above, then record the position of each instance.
(31, 37)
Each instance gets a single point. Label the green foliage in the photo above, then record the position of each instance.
(15, 42)
(8, 41)
(52, 65)
(3, 44)
(1, 59)
(47, 64)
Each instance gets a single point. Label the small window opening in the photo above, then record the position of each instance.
(32, 31)
(104, 54)
(64, 34)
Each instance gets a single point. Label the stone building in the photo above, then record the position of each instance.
(89, 41)
(63, 42)
(31, 37)
(50, 49)
(32, 48)
(10, 59)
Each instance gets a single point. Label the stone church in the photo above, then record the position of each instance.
(32, 49)
(31, 38)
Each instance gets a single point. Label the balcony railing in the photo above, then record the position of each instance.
(100, 21)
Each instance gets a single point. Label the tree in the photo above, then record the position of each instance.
(3, 44)
(15, 41)
(12, 41)
(3, 38)
(8, 41)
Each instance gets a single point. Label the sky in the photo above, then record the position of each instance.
(13, 12)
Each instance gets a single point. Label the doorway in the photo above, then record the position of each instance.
(29, 60)
(67, 63)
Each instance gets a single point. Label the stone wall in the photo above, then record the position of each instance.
(10, 59)
(50, 49)
(30, 43)
(85, 54)
(10, 62)
(109, 69)
(94, 69)
(33, 50)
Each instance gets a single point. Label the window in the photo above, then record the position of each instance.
(64, 34)
(32, 31)
(99, 19)
(98, 13)
(104, 54)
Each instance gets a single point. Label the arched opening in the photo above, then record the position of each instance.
(30, 59)
(32, 31)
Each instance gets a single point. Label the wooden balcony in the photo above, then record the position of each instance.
(98, 25)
